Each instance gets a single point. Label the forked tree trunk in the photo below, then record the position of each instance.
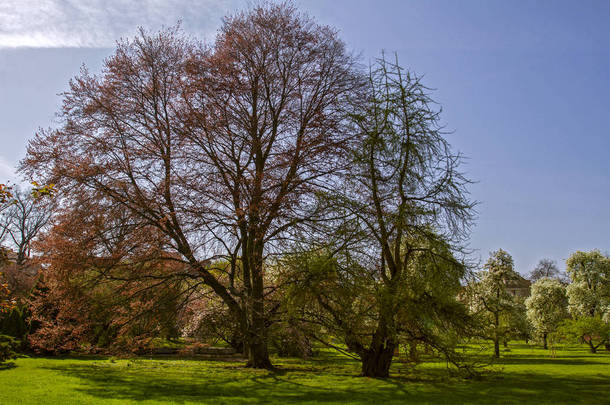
(258, 355)
(377, 360)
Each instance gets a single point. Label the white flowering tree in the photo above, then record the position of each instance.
(492, 301)
(589, 290)
(547, 306)
(589, 299)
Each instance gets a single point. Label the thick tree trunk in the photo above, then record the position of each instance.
(258, 353)
(592, 348)
(377, 360)
(544, 341)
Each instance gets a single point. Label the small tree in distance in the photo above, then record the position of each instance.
(23, 220)
(547, 306)
(592, 330)
(492, 301)
(589, 298)
(546, 268)
(589, 290)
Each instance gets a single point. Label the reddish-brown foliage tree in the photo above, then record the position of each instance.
(20, 279)
(5, 193)
(219, 150)
(6, 302)
(106, 284)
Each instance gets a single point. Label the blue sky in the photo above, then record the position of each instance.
(524, 85)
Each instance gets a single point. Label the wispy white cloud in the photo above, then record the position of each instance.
(99, 23)
(7, 172)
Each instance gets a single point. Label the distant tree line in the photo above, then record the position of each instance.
(576, 308)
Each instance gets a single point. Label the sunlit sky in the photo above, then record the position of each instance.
(524, 85)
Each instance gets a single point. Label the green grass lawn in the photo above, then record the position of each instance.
(524, 375)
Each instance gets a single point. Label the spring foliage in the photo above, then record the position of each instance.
(589, 290)
(547, 306)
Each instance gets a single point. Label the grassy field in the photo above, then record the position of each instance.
(525, 374)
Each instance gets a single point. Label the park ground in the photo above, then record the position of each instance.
(524, 374)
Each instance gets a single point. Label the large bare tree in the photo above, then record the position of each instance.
(268, 124)
(23, 220)
(221, 149)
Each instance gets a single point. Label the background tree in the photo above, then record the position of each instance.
(519, 325)
(23, 220)
(22, 216)
(492, 300)
(7, 344)
(547, 306)
(106, 283)
(589, 289)
(207, 319)
(5, 201)
(546, 268)
(592, 330)
(6, 301)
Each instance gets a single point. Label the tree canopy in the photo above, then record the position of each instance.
(491, 300)
(547, 306)
(589, 290)
(220, 149)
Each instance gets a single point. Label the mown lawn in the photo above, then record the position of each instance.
(525, 375)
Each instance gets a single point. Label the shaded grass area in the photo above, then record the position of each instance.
(524, 375)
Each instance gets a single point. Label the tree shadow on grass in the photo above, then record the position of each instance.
(227, 384)
(7, 365)
(527, 360)
(203, 387)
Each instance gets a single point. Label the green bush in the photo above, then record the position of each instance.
(16, 323)
(592, 330)
(8, 345)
